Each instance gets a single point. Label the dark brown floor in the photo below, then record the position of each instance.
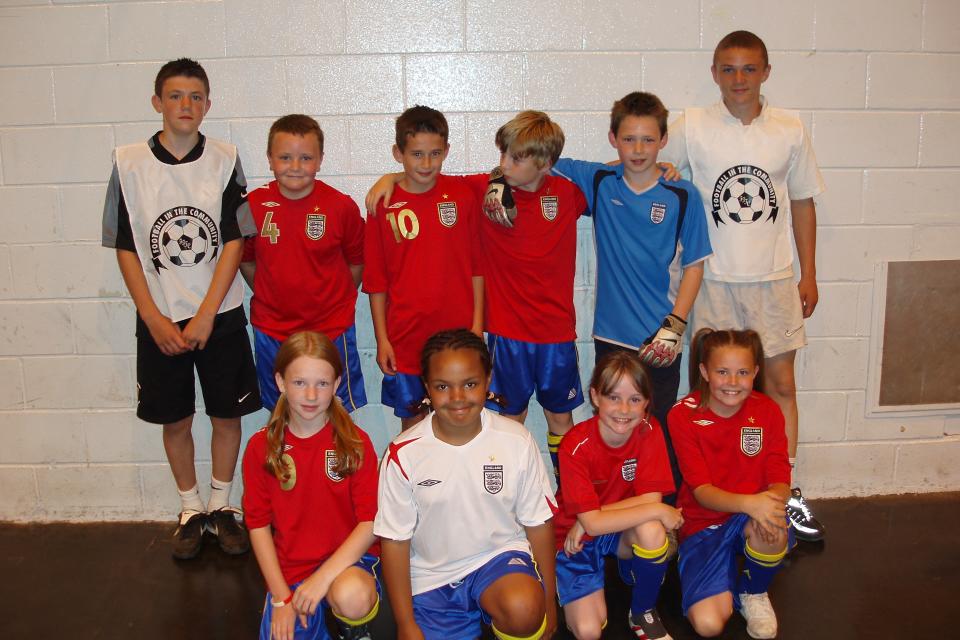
(890, 569)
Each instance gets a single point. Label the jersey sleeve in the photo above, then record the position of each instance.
(676, 150)
(353, 233)
(579, 496)
(694, 236)
(363, 483)
(803, 178)
(655, 474)
(236, 220)
(581, 173)
(397, 510)
(256, 504)
(693, 466)
(477, 183)
(535, 501)
(116, 231)
(374, 269)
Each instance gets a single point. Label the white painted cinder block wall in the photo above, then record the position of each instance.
(877, 83)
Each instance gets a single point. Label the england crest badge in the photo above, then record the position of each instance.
(316, 225)
(658, 212)
(628, 470)
(448, 213)
(751, 440)
(493, 478)
(549, 206)
(331, 466)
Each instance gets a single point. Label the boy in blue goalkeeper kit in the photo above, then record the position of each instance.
(644, 227)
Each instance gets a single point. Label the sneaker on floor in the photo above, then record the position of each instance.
(805, 526)
(346, 632)
(648, 626)
(758, 612)
(188, 538)
(231, 534)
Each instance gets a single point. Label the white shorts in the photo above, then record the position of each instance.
(771, 308)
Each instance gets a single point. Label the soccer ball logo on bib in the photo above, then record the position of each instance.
(744, 194)
(183, 237)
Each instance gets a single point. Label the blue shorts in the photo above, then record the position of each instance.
(520, 368)
(351, 392)
(453, 611)
(316, 628)
(708, 560)
(581, 574)
(402, 391)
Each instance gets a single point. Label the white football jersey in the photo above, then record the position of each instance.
(747, 176)
(461, 505)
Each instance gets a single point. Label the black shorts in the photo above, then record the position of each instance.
(228, 378)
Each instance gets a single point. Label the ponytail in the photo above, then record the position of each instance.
(275, 428)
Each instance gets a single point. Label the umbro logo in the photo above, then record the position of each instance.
(428, 483)
(397, 205)
(703, 423)
(271, 203)
(616, 202)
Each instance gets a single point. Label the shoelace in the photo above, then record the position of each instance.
(803, 508)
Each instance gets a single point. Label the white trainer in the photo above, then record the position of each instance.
(758, 612)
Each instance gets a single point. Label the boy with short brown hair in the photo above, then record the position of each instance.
(176, 213)
(754, 164)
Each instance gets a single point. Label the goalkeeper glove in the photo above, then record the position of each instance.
(663, 347)
(498, 202)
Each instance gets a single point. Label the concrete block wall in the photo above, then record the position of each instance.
(877, 83)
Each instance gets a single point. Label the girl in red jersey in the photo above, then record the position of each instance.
(310, 496)
(614, 472)
(732, 450)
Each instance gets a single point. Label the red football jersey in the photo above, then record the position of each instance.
(744, 453)
(303, 252)
(593, 474)
(529, 270)
(420, 253)
(311, 518)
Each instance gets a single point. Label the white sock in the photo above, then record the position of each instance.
(190, 500)
(793, 463)
(219, 494)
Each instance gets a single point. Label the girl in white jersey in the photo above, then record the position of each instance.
(465, 510)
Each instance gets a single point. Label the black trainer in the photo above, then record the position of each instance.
(231, 534)
(188, 538)
(648, 626)
(805, 526)
(346, 632)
